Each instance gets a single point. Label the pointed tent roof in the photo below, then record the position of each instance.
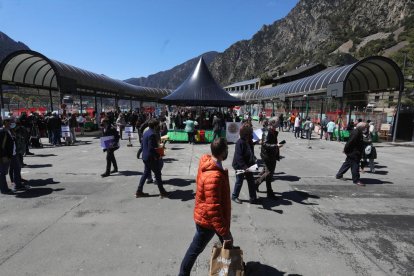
(200, 89)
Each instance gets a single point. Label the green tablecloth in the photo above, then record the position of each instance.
(344, 134)
(200, 135)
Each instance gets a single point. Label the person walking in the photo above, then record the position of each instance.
(216, 127)
(73, 124)
(190, 128)
(120, 124)
(212, 211)
(330, 128)
(324, 128)
(269, 154)
(81, 122)
(353, 150)
(108, 130)
(297, 126)
(370, 153)
(151, 159)
(242, 160)
(15, 164)
(307, 128)
(6, 153)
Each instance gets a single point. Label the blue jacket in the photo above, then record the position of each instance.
(149, 144)
(243, 155)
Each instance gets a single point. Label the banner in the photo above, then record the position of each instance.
(65, 131)
(257, 134)
(107, 142)
(129, 132)
(232, 131)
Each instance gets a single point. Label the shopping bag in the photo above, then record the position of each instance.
(226, 262)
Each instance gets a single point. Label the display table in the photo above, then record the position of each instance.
(202, 136)
(344, 134)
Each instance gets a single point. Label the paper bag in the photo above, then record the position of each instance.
(226, 262)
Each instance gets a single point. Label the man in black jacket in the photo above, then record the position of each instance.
(269, 154)
(242, 160)
(6, 153)
(108, 130)
(353, 150)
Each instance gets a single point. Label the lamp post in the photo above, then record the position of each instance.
(307, 105)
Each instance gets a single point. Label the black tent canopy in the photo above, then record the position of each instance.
(200, 89)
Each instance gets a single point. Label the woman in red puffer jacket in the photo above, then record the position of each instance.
(212, 211)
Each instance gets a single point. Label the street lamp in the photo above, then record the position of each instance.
(307, 105)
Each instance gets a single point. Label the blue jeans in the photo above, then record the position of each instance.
(155, 166)
(201, 238)
(239, 183)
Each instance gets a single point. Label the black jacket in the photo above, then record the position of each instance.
(270, 148)
(355, 145)
(8, 146)
(243, 155)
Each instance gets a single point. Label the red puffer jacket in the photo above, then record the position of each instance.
(212, 203)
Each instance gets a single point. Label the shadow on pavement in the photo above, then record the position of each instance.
(183, 195)
(285, 198)
(169, 160)
(179, 182)
(381, 172)
(127, 173)
(175, 148)
(258, 269)
(290, 178)
(36, 166)
(372, 181)
(42, 155)
(41, 182)
(37, 192)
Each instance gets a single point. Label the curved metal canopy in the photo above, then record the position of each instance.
(31, 69)
(200, 89)
(370, 74)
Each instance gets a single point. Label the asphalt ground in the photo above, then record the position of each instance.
(73, 222)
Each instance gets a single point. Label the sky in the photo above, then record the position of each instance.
(134, 38)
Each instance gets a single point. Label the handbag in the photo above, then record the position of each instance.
(226, 261)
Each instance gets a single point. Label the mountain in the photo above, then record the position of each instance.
(334, 32)
(172, 78)
(8, 45)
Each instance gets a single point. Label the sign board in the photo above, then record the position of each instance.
(335, 90)
(232, 131)
(385, 127)
(129, 131)
(107, 142)
(65, 131)
(257, 134)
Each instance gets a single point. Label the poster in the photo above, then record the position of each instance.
(65, 131)
(232, 131)
(129, 131)
(107, 141)
(257, 134)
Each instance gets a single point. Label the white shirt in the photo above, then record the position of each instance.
(297, 122)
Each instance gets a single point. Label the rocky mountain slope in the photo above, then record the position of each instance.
(172, 78)
(316, 31)
(8, 45)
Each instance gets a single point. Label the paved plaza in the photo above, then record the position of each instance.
(73, 222)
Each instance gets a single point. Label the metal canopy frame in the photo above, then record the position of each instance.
(28, 68)
(374, 73)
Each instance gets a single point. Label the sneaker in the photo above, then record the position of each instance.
(8, 192)
(149, 181)
(29, 153)
(237, 200)
(359, 183)
(141, 194)
(254, 201)
(339, 177)
(114, 171)
(105, 174)
(165, 194)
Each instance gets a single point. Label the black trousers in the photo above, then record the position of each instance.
(354, 165)
(269, 169)
(110, 158)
